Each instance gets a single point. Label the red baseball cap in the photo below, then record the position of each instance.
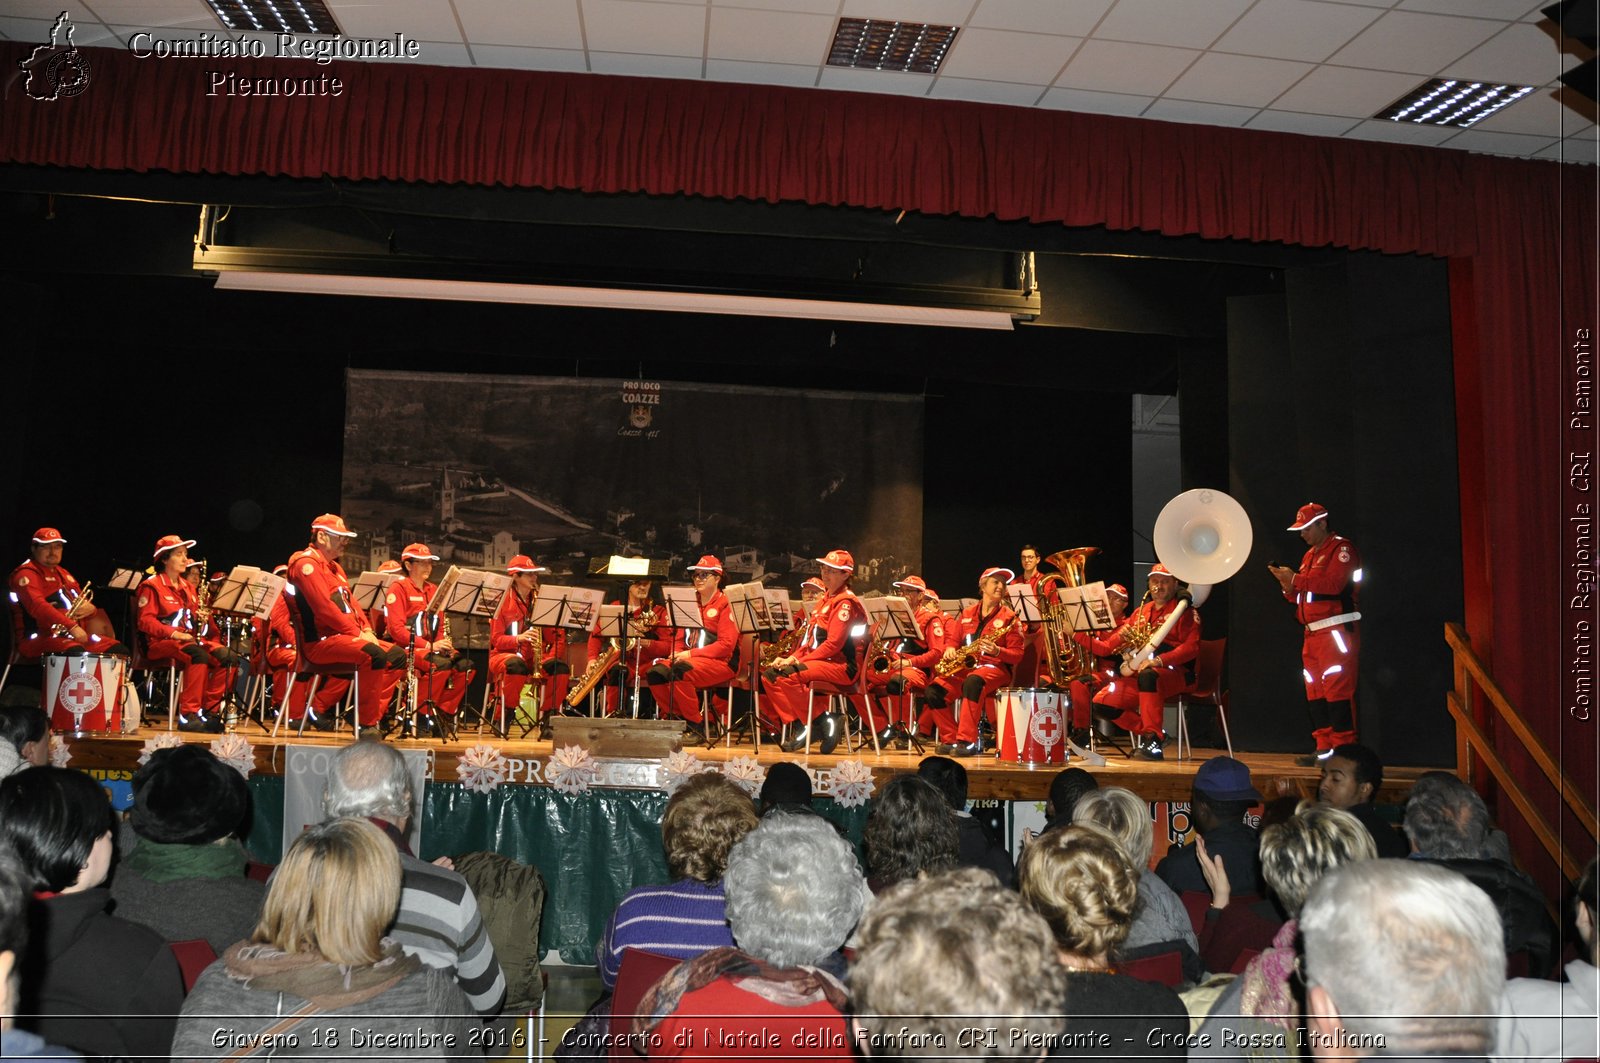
(390, 566)
(931, 593)
(45, 536)
(707, 564)
(838, 559)
(1004, 573)
(912, 583)
(1117, 588)
(333, 524)
(1307, 515)
(418, 552)
(524, 563)
(812, 581)
(280, 570)
(171, 542)
(218, 576)
(1161, 570)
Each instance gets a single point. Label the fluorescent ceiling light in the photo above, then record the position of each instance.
(1456, 102)
(275, 16)
(885, 44)
(609, 298)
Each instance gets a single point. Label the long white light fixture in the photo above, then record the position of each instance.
(609, 298)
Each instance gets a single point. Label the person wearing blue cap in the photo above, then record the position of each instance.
(1222, 795)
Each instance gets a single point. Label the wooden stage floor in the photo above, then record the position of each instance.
(988, 778)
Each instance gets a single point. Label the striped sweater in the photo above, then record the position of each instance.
(683, 919)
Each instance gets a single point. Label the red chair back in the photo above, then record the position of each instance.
(193, 957)
(1208, 669)
(639, 971)
(1164, 967)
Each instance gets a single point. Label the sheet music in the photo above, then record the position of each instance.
(568, 607)
(778, 609)
(441, 593)
(248, 591)
(1024, 602)
(748, 601)
(1086, 608)
(683, 607)
(478, 593)
(125, 579)
(370, 587)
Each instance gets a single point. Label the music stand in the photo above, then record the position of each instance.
(628, 568)
(1024, 603)
(369, 589)
(246, 594)
(896, 623)
(613, 625)
(1086, 609)
(748, 604)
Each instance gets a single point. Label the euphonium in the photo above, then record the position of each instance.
(976, 649)
(1065, 660)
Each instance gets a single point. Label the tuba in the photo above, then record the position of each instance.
(1066, 660)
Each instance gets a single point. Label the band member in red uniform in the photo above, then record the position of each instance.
(1135, 703)
(334, 630)
(1106, 661)
(442, 672)
(43, 594)
(909, 662)
(280, 653)
(647, 641)
(517, 652)
(828, 655)
(378, 615)
(1325, 593)
(701, 659)
(165, 609)
(992, 621)
(1026, 673)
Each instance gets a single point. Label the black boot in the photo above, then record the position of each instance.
(832, 729)
(798, 739)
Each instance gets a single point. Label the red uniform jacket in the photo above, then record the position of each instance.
(404, 615)
(1324, 586)
(1045, 597)
(655, 644)
(322, 597)
(718, 639)
(511, 620)
(937, 631)
(1182, 643)
(1009, 648)
(165, 607)
(833, 630)
(44, 595)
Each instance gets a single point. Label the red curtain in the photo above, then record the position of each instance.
(1522, 232)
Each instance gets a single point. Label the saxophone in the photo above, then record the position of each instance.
(951, 665)
(784, 645)
(601, 665)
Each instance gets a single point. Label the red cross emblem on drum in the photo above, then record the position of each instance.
(80, 694)
(1045, 727)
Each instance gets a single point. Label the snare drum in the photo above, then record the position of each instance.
(1031, 728)
(83, 692)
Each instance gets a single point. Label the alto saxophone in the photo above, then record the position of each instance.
(951, 665)
(782, 646)
(601, 666)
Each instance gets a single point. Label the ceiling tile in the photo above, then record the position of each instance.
(37, 31)
(1155, 21)
(1068, 18)
(1343, 91)
(1501, 9)
(761, 73)
(1001, 55)
(812, 7)
(1538, 113)
(1199, 113)
(644, 66)
(1095, 102)
(434, 53)
(1116, 66)
(644, 28)
(529, 23)
(1237, 79)
(47, 10)
(893, 82)
(1400, 132)
(507, 57)
(144, 13)
(1414, 43)
(769, 36)
(1316, 125)
(194, 23)
(1296, 29)
(1585, 154)
(1521, 54)
(940, 12)
(1482, 140)
(948, 88)
(424, 20)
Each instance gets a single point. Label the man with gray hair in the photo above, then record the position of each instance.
(438, 920)
(1448, 824)
(1402, 958)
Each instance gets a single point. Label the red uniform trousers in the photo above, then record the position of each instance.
(552, 692)
(204, 683)
(1331, 659)
(37, 646)
(377, 684)
(281, 661)
(681, 697)
(898, 709)
(1142, 710)
(788, 694)
(994, 676)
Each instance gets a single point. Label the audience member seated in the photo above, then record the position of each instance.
(794, 895)
(975, 845)
(1160, 923)
(1221, 796)
(26, 729)
(1556, 1020)
(703, 820)
(94, 982)
(1083, 885)
(1402, 957)
(1448, 824)
(318, 966)
(438, 919)
(909, 832)
(950, 953)
(1065, 789)
(1351, 777)
(787, 787)
(14, 901)
(1296, 853)
(184, 878)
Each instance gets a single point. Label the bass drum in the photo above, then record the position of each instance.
(1031, 728)
(83, 693)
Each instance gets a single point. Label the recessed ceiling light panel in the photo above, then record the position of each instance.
(884, 44)
(275, 16)
(1454, 102)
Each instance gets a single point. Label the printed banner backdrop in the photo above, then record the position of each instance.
(482, 468)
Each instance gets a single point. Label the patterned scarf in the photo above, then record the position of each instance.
(784, 987)
(1267, 991)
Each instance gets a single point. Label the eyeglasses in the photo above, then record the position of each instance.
(698, 576)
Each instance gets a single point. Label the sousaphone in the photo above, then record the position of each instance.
(1204, 537)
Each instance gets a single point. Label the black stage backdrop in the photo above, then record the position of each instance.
(566, 469)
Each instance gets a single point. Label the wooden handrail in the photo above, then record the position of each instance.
(1470, 675)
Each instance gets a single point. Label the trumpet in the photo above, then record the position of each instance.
(77, 609)
(975, 650)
